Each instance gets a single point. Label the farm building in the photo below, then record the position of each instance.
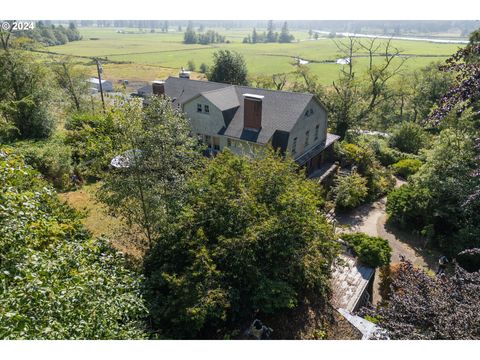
(245, 119)
(95, 84)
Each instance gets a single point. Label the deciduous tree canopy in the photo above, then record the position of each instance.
(250, 238)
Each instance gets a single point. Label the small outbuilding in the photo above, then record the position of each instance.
(94, 84)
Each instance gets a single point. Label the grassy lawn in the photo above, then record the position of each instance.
(100, 223)
(157, 55)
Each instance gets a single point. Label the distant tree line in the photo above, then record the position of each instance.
(378, 26)
(51, 35)
(204, 38)
(270, 36)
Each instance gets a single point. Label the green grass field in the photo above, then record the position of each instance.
(157, 55)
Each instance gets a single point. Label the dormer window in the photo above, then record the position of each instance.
(199, 107)
(206, 108)
(316, 131)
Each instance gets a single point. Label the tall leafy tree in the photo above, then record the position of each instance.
(158, 154)
(25, 95)
(285, 36)
(249, 238)
(353, 99)
(72, 80)
(228, 67)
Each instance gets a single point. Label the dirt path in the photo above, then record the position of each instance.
(372, 220)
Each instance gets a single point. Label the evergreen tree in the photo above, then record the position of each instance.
(228, 67)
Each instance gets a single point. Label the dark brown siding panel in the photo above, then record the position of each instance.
(252, 114)
(158, 88)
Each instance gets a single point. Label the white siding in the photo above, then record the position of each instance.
(308, 123)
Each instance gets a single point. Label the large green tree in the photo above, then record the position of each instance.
(228, 67)
(25, 95)
(249, 238)
(158, 154)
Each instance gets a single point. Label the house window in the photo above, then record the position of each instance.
(229, 142)
(206, 109)
(316, 131)
(307, 135)
(311, 112)
(294, 146)
(199, 107)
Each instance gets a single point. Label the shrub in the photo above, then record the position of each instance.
(408, 137)
(379, 179)
(350, 190)
(191, 65)
(90, 137)
(52, 159)
(371, 251)
(352, 154)
(407, 206)
(388, 156)
(406, 167)
(203, 68)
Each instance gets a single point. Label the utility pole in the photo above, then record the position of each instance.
(100, 70)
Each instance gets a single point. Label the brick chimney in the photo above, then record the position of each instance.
(158, 87)
(252, 111)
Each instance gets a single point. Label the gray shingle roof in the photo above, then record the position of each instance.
(224, 99)
(280, 109)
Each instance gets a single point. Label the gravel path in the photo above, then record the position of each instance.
(372, 220)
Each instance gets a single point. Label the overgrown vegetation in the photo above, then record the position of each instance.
(249, 240)
(57, 281)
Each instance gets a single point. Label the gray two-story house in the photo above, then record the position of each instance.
(245, 119)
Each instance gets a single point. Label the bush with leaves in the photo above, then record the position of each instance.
(422, 307)
(408, 137)
(371, 251)
(53, 159)
(90, 138)
(350, 190)
(408, 206)
(249, 239)
(25, 95)
(406, 167)
(361, 156)
(57, 281)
